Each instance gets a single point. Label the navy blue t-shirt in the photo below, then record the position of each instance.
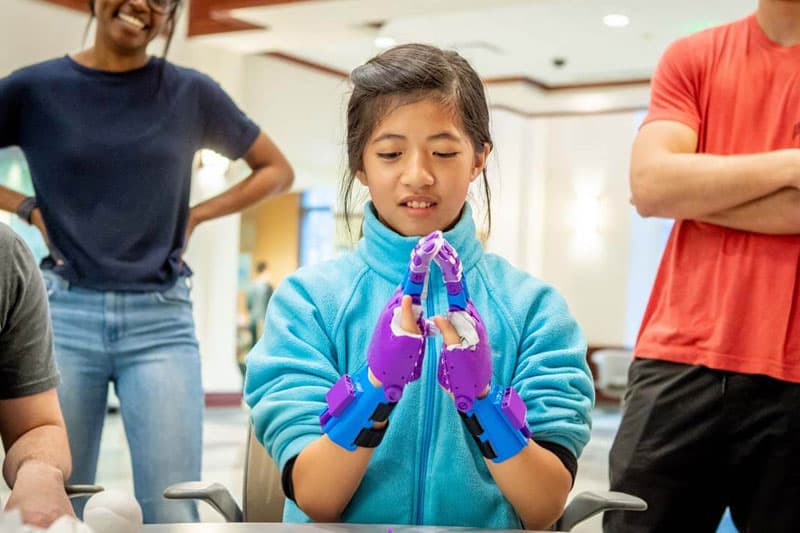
(111, 157)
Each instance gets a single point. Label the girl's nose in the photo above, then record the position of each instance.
(416, 174)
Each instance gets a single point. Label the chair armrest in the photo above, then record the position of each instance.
(589, 503)
(74, 491)
(214, 494)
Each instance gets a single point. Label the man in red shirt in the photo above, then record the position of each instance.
(712, 414)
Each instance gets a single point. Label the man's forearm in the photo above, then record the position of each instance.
(693, 186)
(775, 214)
(44, 445)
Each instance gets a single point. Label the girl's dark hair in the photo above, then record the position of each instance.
(406, 74)
(173, 15)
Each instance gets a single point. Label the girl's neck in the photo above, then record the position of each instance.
(780, 21)
(103, 58)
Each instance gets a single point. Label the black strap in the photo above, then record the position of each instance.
(371, 437)
(383, 411)
(286, 479)
(475, 429)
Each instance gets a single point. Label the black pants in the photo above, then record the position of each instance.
(694, 440)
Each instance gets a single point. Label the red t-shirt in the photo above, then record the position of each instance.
(724, 298)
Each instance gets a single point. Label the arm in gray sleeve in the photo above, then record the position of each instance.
(26, 339)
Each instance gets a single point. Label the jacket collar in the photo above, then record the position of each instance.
(387, 252)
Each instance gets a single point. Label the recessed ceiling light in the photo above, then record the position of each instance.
(616, 20)
(384, 42)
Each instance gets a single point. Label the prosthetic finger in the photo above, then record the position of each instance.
(452, 272)
(426, 250)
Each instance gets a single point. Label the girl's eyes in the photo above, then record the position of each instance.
(395, 155)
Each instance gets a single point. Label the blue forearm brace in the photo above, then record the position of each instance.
(354, 405)
(497, 423)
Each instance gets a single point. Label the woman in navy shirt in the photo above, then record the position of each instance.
(109, 135)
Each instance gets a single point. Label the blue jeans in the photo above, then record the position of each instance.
(145, 344)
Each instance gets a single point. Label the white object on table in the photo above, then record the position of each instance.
(113, 511)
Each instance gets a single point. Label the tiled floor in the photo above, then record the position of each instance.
(225, 433)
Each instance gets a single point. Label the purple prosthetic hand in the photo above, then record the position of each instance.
(465, 369)
(395, 355)
(498, 421)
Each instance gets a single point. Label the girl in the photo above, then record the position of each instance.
(418, 135)
(109, 135)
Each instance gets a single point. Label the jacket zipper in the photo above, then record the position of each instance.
(430, 362)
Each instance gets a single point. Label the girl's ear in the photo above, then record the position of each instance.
(362, 177)
(480, 160)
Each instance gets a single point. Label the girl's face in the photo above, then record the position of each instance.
(129, 25)
(418, 164)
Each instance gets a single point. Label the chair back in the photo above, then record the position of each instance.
(262, 493)
(612, 370)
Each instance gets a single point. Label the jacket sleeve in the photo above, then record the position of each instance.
(552, 375)
(289, 372)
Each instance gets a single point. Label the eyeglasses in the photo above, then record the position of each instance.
(162, 6)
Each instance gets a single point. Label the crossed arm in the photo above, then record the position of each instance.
(754, 192)
(37, 459)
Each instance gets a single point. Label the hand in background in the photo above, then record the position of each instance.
(38, 221)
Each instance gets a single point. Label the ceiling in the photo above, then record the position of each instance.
(505, 40)
(502, 38)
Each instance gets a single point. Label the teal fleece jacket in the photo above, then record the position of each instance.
(428, 469)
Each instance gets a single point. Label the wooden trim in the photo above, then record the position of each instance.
(324, 69)
(207, 17)
(223, 399)
(490, 81)
(240, 4)
(518, 79)
(78, 5)
(610, 84)
(219, 22)
(555, 114)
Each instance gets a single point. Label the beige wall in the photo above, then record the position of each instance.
(561, 212)
(271, 233)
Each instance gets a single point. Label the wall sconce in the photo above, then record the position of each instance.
(586, 221)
